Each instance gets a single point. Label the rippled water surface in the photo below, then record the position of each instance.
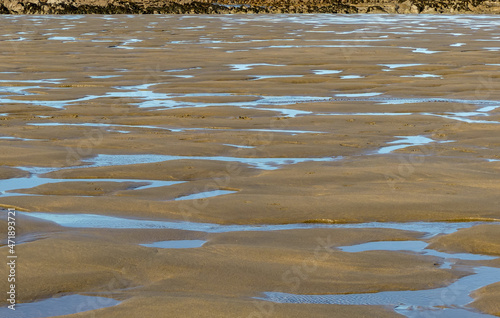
(65, 305)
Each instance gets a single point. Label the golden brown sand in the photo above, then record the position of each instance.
(447, 180)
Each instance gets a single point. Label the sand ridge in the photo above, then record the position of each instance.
(183, 105)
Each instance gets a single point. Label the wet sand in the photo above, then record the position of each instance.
(314, 120)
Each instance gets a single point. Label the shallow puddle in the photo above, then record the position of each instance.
(413, 246)
(43, 81)
(391, 66)
(245, 67)
(204, 195)
(146, 98)
(326, 72)
(424, 51)
(365, 114)
(239, 146)
(351, 44)
(18, 138)
(358, 95)
(408, 141)
(111, 127)
(176, 244)
(458, 117)
(449, 301)
(104, 76)
(62, 38)
(399, 101)
(430, 229)
(258, 163)
(423, 76)
(9, 186)
(125, 45)
(65, 305)
(286, 112)
(283, 131)
(260, 77)
(351, 76)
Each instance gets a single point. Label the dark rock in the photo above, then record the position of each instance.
(3, 9)
(375, 9)
(248, 6)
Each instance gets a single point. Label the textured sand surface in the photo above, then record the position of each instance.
(218, 94)
(247, 6)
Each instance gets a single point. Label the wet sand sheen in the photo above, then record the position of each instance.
(262, 162)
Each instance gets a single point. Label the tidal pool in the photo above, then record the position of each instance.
(245, 67)
(176, 244)
(428, 229)
(449, 301)
(326, 72)
(58, 306)
(204, 195)
(351, 76)
(102, 160)
(398, 57)
(408, 141)
(358, 95)
(413, 246)
(8, 187)
(392, 66)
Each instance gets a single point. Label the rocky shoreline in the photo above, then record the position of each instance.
(249, 6)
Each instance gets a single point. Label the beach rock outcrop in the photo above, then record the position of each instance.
(247, 6)
(408, 7)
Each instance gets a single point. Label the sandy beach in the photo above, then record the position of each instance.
(276, 140)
